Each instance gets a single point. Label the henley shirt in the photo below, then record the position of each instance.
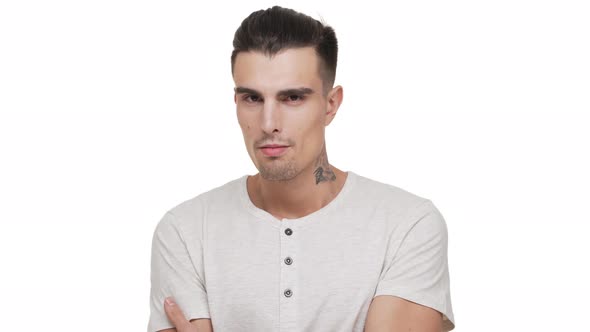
(221, 257)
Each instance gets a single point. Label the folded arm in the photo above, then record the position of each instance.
(181, 324)
(390, 313)
(201, 325)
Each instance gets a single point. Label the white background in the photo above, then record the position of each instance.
(112, 112)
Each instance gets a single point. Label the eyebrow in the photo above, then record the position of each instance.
(282, 93)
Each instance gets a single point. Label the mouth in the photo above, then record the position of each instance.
(273, 150)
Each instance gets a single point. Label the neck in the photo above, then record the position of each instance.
(309, 191)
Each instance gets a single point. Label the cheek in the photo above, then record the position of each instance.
(310, 133)
(307, 119)
(312, 125)
(244, 122)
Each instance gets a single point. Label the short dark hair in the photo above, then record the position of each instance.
(277, 28)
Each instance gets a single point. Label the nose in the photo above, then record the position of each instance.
(271, 117)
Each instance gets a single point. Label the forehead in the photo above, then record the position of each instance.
(293, 67)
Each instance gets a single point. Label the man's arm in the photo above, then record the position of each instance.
(202, 325)
(175, 272)
(414, 288)
(181, 324)
(391, 313)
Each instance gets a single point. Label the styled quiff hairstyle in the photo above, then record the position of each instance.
(274, 29)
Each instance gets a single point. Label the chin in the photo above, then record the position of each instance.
(283, 171)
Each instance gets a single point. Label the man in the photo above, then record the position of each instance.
(302, 245)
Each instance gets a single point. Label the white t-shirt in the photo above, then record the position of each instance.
(223, 258)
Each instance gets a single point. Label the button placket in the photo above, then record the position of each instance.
(288, 238)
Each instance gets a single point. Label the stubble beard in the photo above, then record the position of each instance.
(278, 170)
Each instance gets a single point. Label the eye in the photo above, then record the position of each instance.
(251, 98)
(294, 98)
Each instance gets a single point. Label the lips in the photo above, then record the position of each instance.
(273, 150)
(273, 146)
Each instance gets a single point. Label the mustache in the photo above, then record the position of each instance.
(267, 140)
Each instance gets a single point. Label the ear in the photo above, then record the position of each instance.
(334, 100)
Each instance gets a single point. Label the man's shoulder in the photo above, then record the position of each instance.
(383, 195)
(400, 207)
(199, 204)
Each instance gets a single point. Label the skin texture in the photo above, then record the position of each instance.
(280, 100)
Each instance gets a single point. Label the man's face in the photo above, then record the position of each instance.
(280, 102)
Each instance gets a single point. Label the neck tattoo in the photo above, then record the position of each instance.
(323, 172)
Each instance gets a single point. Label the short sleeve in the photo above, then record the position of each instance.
(173, 273)
(417, 265)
